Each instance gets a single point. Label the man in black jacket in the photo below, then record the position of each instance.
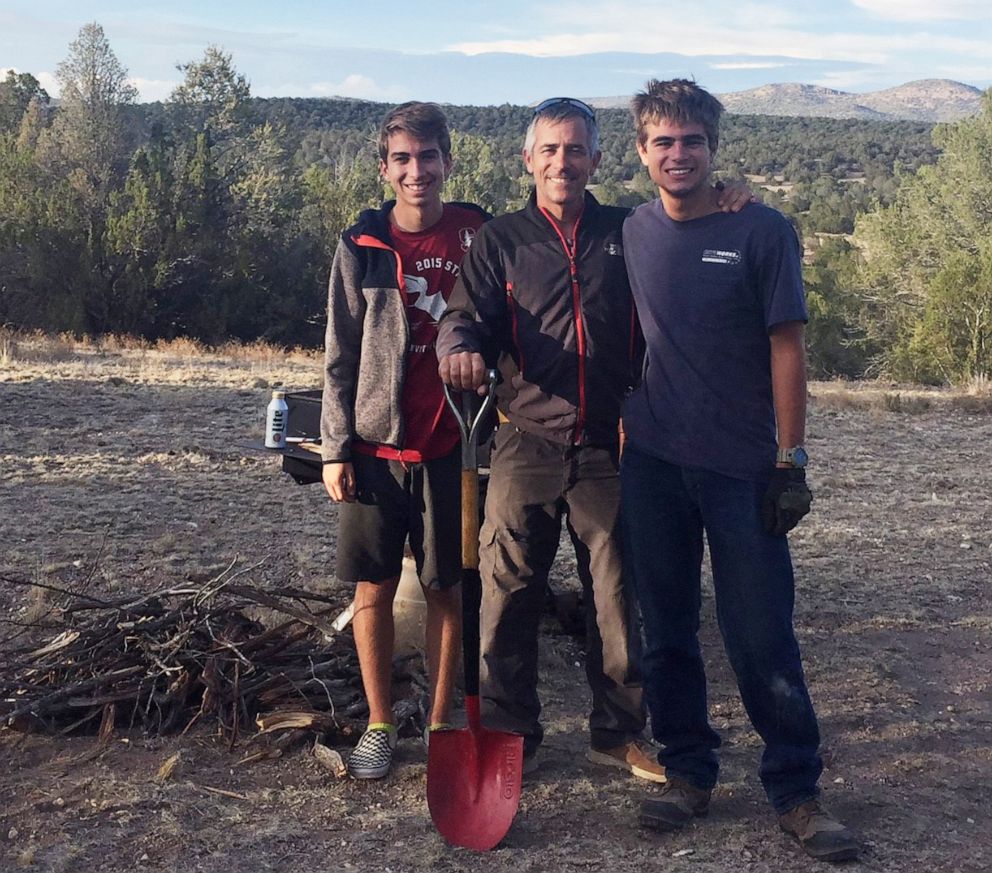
(544, 293)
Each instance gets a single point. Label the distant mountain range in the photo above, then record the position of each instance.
(923, 100)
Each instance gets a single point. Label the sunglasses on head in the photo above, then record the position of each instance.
(551, 102)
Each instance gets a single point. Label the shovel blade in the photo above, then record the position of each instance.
(473, 785)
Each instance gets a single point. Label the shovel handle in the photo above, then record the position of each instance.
(470, 519)
(471, 607)
(469, 418)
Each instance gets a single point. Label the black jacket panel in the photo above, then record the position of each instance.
(561, 330)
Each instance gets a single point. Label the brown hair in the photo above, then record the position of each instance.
(421, 120)
(679, 100)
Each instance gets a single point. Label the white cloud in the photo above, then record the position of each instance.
(46, 80)
(964, 72)
(649, 72)
(926, 10)
(353, 85)
(554, 45)
(153, 89)
(148, 89)
(756, 30)
(851, 80)
(861, 80)
(49, 83)
(365, 87)
(748, 65)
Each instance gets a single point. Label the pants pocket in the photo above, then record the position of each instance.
(505, 558)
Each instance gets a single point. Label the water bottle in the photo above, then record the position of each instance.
(276, 421)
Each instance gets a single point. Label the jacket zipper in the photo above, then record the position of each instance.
(573, 273)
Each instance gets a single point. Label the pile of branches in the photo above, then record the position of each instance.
(165, 661)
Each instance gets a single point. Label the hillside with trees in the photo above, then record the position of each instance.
(214, 214)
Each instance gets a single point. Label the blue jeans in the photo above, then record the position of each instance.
(666, 509)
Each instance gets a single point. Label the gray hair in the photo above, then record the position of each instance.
(559, 112)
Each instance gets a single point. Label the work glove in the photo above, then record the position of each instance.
(786, 501)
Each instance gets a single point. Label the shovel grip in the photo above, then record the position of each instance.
(470, 519)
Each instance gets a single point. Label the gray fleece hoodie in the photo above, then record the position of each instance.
(366, 340)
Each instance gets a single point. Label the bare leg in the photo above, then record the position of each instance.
(373, 629)
(443, 641)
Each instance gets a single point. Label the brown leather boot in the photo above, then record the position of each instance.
(674, 806)
(819, 833)
(636, 756)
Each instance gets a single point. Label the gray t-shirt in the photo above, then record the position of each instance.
(707, 291)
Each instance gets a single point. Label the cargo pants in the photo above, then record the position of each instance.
(533, 484)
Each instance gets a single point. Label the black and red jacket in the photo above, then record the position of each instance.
(561, 327)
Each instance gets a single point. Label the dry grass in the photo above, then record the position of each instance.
(880, 397)
(8, 347)
(980, 385)
(261, 352)
(876, 396)
(37, 346)
(975, 395)
(911, 404)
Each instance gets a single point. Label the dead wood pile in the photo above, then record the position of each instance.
(164, 661)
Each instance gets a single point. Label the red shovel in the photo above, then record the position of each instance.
(473, 774)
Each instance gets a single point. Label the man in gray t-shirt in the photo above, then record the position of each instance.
(717, 295)
(714, 445)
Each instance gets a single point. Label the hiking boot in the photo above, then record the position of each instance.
(637, 757)
(819, 833)
(371, 758)
(675, 805)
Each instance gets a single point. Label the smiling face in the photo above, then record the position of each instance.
(415, 168)
(561, 162)
(679, 160)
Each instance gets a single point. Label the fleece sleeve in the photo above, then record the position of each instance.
(342, 351)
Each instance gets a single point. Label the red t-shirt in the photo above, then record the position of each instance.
(430, 261)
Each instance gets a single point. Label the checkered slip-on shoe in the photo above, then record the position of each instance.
(371, 758)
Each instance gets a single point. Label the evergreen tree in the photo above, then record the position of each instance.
(214, 97)
(477, 177)
(17, 92)
(88, 145)
(927, 274)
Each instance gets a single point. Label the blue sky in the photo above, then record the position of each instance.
(517, 52)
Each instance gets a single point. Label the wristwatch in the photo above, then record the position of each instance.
(794, 457)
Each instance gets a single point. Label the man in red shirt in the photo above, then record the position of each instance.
(388, 442)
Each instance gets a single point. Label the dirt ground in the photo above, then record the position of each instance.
(120, 471)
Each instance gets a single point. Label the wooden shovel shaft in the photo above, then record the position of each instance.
(470, 519)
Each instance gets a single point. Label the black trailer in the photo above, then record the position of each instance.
(301, 454)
